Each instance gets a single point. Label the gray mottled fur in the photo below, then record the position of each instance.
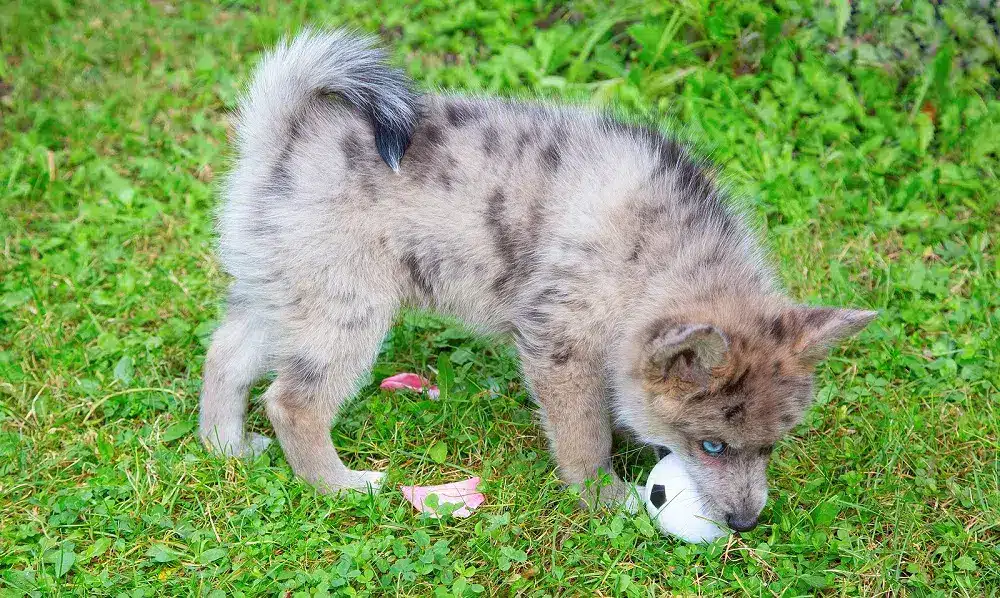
(603, 249)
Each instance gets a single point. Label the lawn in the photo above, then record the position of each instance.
(864, 138)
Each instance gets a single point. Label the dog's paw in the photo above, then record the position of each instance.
(350, 480)
(610, 492)
(367, 481)
(633, 499)
(250, 447)
(255, 445)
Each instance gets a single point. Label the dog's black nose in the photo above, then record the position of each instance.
(741, 524)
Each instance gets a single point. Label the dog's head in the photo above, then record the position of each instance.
(721, 394)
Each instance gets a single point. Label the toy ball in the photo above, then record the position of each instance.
(674, 504)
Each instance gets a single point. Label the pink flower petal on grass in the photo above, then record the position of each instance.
(463, 493)
(405, 380)
(408, 381)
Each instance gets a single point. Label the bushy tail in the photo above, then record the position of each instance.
(324, 62)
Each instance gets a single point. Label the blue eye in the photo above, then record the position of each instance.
(713, 448)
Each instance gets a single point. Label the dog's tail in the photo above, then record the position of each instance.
(325, 62)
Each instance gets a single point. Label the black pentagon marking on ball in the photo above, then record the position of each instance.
(658, 496)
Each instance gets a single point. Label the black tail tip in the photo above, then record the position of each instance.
(391, 142)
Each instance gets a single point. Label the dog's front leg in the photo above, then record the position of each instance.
(577, 422)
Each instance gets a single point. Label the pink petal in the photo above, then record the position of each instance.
(408, 381)
(404, 380)
(463, 493)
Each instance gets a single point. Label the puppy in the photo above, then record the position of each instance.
(634, 294)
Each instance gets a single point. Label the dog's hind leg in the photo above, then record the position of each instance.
(236, 359)
(324, 356)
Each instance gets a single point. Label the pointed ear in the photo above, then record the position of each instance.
(685, 353)
(825, 327)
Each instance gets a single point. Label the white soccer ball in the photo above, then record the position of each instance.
(674, 504)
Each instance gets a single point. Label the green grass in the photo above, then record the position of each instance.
(867, 143)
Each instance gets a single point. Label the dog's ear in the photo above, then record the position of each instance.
(821, 328)
(685, 354)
